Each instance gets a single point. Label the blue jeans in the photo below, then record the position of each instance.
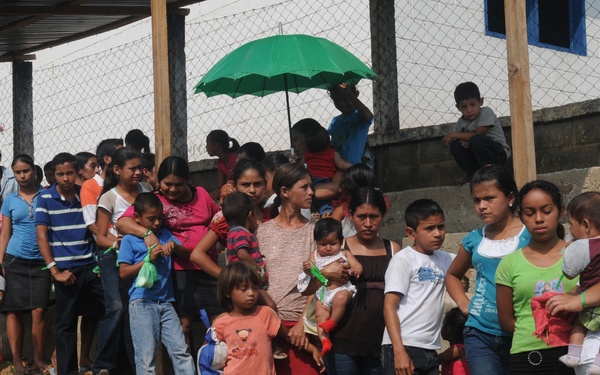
(153, 320)
(425, 361)
(69, 299)
(112, 333)
(346, 364)
(487, 354)
(324, 206)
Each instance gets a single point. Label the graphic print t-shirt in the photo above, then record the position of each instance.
(248, 340)
(419, 278)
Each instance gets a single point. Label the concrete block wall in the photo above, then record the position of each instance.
(566, 138)
(413, 163)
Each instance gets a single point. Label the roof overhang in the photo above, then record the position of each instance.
(32, 25)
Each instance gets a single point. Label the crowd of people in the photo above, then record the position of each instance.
(308, 286)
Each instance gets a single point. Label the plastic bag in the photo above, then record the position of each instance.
(213, 354)
(147, 275)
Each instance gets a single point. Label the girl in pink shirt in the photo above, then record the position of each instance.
(221, 145)
(247, 328)
(453, 359)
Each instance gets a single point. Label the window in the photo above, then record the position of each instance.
(555, 24)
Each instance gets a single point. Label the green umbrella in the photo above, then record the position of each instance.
(283, 63)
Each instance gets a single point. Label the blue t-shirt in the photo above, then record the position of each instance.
(133, 250)
(69, 238)
(483, 313)
(349, 136)
(23, 240)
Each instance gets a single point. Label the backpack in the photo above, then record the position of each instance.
(213, 354)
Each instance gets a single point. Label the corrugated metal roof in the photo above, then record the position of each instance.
(27, 26)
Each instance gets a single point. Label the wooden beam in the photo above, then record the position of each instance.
(160, 57)
(519, 92)
(72, 38)
(84, 10)
(10, 58)
(30, 20)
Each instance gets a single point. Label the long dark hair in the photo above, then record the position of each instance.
(174, 165)
(120, 158)
(286, 176)
(553, 191)
(222, 139)
(82, 159)
(501, 178)
(274, 161)
(368, 195)
(137, 140)
(23, 158)
(232, 276)
(243, 165)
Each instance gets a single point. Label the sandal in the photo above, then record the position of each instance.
(278, 353)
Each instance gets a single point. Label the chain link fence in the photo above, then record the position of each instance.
(443, 43)
(264, 119)
(439, 44)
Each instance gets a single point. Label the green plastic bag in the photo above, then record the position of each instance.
(147, 275)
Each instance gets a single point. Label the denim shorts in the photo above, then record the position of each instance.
(487, 354)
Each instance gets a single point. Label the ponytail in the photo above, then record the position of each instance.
(222, 139)
(274, 210)
(234, 145)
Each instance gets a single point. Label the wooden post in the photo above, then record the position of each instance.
(160, 57)
(162, 111)
(519, 92)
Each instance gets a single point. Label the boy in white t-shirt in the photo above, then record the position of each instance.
(414, 294)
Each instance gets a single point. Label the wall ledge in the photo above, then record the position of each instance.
(569, 111)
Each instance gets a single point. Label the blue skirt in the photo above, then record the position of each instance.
(27, 285)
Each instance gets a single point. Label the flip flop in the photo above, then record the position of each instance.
(279, 356)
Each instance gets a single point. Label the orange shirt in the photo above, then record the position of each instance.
(248, 340)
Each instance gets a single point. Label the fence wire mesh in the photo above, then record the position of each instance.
(264, 119)
(439, 44)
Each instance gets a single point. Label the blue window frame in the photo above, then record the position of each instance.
(554, 24)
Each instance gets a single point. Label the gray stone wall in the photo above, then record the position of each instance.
(413, 163)
(566, 137)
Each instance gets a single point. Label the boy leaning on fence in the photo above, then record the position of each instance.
(478, 139)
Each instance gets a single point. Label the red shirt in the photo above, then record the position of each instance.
(320, 164)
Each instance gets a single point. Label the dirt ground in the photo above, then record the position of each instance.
(6, 368)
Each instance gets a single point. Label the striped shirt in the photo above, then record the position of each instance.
(68, 236)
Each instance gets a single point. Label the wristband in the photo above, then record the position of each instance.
(583, 304)
(50, 265)
(148, 232)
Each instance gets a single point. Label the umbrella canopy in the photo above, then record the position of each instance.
(283, 63)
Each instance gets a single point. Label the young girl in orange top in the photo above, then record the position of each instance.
(246, 328)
